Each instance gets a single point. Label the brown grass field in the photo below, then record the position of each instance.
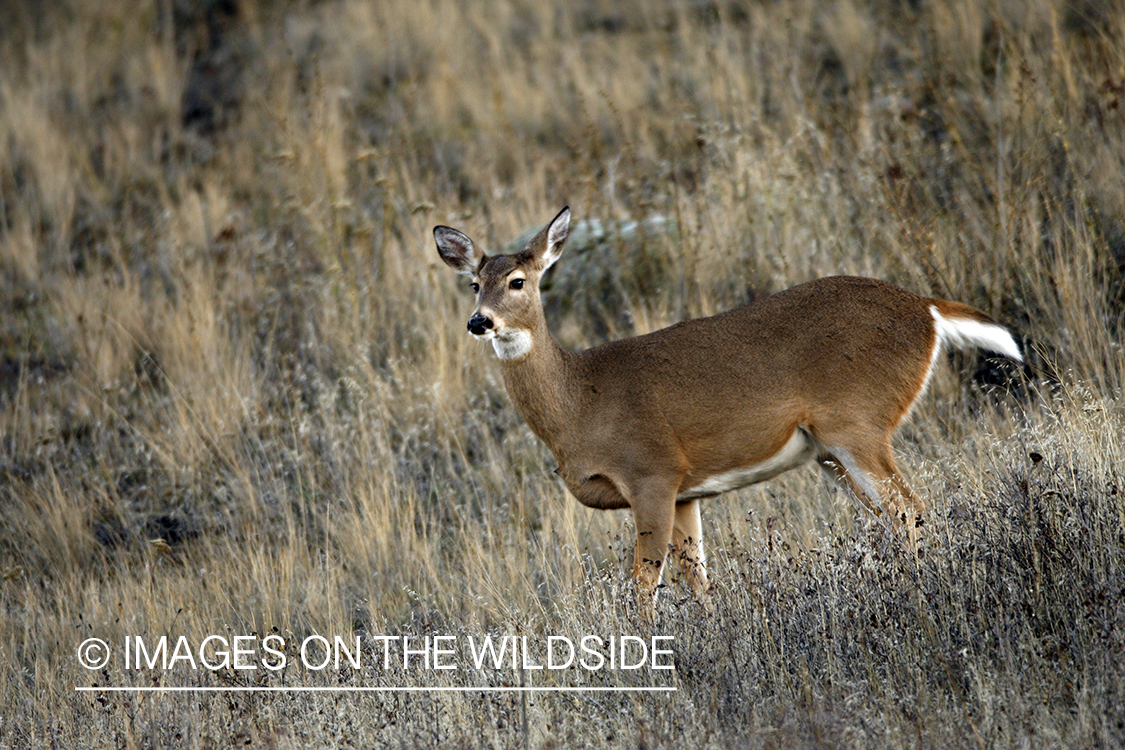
(237, 396)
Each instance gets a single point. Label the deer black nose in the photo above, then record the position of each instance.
(478, 324)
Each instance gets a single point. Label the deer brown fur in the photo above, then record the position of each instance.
(825, 370)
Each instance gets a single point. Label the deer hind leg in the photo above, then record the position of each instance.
(687, 548)
(873, 478)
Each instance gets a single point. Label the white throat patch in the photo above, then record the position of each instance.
(512, 343)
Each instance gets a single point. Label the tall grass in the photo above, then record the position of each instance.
(236, 395)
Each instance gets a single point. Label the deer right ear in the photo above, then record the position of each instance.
(457, 250)
(557, 231)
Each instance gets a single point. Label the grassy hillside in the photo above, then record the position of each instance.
(236, 394)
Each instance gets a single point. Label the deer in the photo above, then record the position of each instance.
(824, 371)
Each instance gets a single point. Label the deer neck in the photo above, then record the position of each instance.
(539, 384)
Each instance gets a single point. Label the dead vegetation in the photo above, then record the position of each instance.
(223, 326)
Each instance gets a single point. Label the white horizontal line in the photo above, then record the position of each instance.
(391, 689)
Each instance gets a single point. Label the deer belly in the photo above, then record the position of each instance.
(595, 491)
(796, 451)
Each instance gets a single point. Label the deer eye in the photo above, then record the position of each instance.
(475, 287)
(516, 284)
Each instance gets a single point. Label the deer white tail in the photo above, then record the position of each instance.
(963, 332)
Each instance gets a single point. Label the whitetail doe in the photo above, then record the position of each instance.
(826, 370)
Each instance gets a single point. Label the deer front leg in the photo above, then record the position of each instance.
(654, 516)
(687, 547)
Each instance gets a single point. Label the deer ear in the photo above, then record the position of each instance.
(556, 237)
(457, 250)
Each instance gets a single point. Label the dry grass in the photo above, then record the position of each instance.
(224, 326)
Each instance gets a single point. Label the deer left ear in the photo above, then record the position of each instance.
(556, 237)
(457, 250)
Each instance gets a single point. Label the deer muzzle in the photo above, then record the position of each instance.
(479, 325)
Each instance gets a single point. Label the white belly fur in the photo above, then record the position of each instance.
(796, 451)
